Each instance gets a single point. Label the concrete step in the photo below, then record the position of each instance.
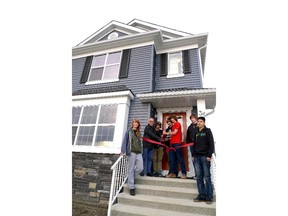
(168, 182)
(166, 203)
(164, 191)
(124, 210)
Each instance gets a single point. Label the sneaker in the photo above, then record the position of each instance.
(199, 198)
(149, 174)
(209, 201)
(183, 176)
(171, 175)
(132, 192)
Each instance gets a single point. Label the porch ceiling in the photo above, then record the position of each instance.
(180, 98)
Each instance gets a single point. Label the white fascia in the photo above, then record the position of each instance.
(180, 33)
(110, 26)
(138, 40)
(104, 96)
(211, 91)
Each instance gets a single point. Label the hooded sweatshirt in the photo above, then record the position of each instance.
(203, 143)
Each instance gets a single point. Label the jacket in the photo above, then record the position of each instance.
(127, 140)
(203, 143)
(191, 132)
(149, 132)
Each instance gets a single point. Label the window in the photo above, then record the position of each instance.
(105, 67)
(93, 125)
(175, 64)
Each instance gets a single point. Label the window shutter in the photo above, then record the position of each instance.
(86, 69)
(124, 67)
(186, 62)
(163, 64)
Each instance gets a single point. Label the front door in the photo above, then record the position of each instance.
(182, 120)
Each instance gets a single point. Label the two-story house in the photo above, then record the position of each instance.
(126, 71)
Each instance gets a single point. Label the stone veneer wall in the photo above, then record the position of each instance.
(91, 181)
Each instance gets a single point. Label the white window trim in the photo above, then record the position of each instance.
(181, 74)
(104, 69)
(122, 99)
(102, 81)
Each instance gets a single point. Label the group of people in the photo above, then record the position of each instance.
(147, 150)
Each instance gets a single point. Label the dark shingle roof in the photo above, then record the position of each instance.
(101, 90)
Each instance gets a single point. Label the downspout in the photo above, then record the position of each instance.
(201, 66)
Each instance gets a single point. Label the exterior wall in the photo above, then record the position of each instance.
(91, 181)
(139, 80)
(190, 80)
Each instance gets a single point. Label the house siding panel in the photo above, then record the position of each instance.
(139, 80)
(190, 80)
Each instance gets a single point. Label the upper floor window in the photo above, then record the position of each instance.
(93, 125)
(175, 64)
(105, 67)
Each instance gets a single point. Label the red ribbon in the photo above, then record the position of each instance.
(168, 148)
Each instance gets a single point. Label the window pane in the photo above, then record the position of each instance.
(76, 114)
(174, 63)
(111, 72)
(108, 114)
(74, 130)
(114, 58)
(98, 60)
(85, 135)
(96, 74)
(104, 135)
(89, 115)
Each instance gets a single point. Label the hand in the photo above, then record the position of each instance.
(192, 158)
(208, 158)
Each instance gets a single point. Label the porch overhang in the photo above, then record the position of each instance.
(180, 98)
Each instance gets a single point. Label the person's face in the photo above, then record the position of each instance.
(158, 126)
(151, 122)
(200, 123)
(135, 124)
(169, 123)
(193, 120)
(173, 120)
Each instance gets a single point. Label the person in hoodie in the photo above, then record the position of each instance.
(132, 147)
(191, 131)
(203, 150)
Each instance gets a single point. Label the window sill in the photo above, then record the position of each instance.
(101, 81)
(175, 75)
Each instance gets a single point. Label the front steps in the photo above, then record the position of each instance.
(162, 196)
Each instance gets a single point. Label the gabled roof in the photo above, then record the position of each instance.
(133, 27)
(139, 33)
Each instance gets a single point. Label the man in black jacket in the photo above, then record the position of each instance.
(191, 132)
(203, 150)
(150, 133)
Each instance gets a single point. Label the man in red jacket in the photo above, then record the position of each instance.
(176, 141)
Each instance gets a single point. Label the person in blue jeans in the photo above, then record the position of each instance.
(203, 150)
(150, 133)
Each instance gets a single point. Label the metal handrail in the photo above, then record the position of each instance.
(213, 170)
(119, 176)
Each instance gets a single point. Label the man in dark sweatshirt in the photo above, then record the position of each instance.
(203, 150)
(191, 132)
(150, 133)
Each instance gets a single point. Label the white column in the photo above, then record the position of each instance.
(121, 123)
(201, 107)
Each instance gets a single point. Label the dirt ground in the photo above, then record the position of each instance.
(85, 210)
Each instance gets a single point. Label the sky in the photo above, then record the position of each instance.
(246, 62)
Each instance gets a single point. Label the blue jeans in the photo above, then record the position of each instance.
(202, 169)
(147, 160)
(174, 157)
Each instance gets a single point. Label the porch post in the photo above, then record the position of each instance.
(201, 107)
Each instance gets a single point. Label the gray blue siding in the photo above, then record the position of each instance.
(139, 80)
(190, 80)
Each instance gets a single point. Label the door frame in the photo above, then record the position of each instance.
(188, 111)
